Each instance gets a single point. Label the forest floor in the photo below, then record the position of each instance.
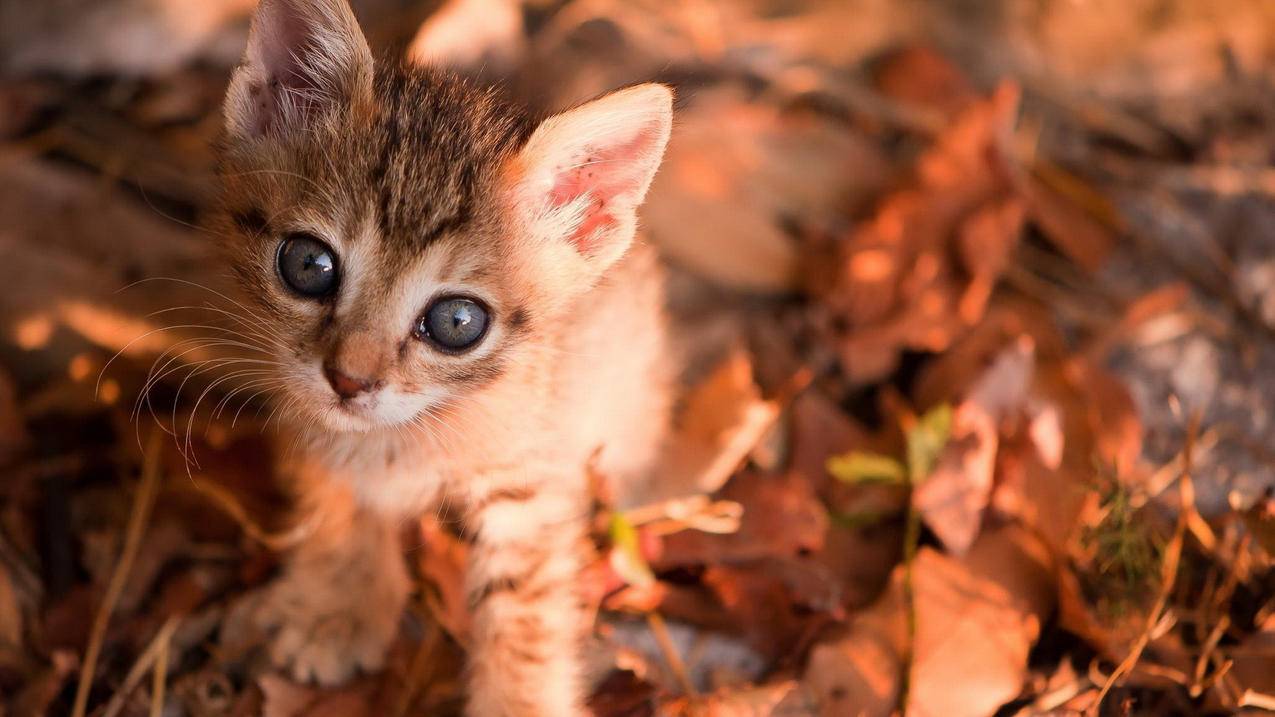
(977, 305)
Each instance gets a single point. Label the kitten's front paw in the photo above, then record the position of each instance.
(326, 630)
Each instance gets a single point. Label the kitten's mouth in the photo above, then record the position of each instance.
(355, 414)
(383, 408)
(363, 414)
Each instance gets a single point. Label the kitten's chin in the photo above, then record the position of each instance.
(340, 420)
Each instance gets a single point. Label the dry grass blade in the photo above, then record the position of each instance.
(1199, 684)
(660, 630)
(154, 656)
(137, 520)
(160, 674)
(279, 541)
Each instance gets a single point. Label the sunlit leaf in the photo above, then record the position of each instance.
(926, 440)
(626, 554)
(864, 467)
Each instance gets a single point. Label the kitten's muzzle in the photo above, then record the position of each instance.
(345, 386)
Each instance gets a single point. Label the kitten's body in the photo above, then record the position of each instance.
(418, 188)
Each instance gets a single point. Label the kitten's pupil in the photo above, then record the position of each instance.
(307, 265)
(461, 317)
(453, 323)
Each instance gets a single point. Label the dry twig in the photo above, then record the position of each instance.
(660, 630)
(137, 521)
(157, 650)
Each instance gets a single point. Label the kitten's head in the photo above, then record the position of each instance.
(403, 237)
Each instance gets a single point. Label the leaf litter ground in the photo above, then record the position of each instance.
(977, 319)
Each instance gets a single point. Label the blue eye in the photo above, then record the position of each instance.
(453, 323)
(307, 265)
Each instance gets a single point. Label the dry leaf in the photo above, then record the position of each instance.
(896, 286)
(782, 517)
(920, 76)
(1078, 234)
(724, 417)
(736, 171)
(977, 619)
(952, 499)
(858, 672)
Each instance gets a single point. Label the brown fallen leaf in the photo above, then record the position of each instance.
(985, 240)
(723, 419)
(896, 286)
(858, 671)
(821, 429)
(766, 606)
(782, 517)
(1084, 238)
(920, 76)
(953, 498)
(977, 619)
(737, 169)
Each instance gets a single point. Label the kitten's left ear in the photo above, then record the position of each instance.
(583, 174)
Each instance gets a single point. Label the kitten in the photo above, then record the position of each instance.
(451, 299)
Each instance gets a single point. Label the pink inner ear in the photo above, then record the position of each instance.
(603, 173)
(284, 40)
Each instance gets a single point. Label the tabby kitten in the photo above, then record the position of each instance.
(457, 312)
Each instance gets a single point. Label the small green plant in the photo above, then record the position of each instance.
(1126, 554)
(925, 440)
(626, 553)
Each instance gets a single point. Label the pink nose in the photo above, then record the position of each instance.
(347, 386)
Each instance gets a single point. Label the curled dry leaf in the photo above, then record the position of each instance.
(895, 285)
(736, 171)
(724, 418)
(782, 516)
(977, 619)
(954, 496)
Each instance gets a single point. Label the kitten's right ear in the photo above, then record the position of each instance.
(303, 57)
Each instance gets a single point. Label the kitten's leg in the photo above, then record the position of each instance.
(528, 616)
(338, 604)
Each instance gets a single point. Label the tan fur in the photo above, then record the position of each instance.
(424, 187)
